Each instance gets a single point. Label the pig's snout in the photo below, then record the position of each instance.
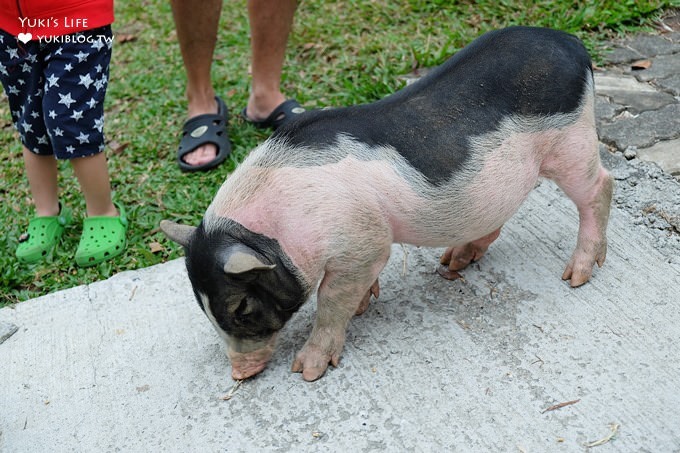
(249, 357)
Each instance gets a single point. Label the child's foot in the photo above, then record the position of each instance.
(103, 238)
(42, 236)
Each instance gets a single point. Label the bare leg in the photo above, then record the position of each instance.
(197, 34)
(93, 176)
(456, 258)
(270, 25)
(41, 172)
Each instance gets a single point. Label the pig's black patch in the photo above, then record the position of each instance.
(514, 71)
(275, 294)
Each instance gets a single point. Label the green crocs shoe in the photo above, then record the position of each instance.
(103, 238)
(42, 236)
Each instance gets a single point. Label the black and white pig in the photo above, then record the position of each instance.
(443, 162)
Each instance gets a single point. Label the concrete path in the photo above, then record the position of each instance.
(508, 359)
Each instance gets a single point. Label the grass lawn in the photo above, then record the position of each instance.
(340, 53)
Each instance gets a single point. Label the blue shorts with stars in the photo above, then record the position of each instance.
(56, 90)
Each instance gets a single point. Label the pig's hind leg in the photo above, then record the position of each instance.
(578, 172)
(457, 258)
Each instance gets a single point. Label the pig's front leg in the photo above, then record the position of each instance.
(341, 295)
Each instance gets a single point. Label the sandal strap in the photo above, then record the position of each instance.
(63, 218)
(282, 114)
(204, 129)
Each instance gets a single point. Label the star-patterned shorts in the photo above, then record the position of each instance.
(56, 91)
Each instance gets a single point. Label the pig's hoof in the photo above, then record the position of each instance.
(576, 278)
(312, 363)
(580, 267)
(310, 374)
(457, 258)
(447, 273)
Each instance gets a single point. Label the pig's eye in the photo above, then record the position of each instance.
(243, 311)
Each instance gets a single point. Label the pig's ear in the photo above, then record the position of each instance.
(240, 259)
(176, 232)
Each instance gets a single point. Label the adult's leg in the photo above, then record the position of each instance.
(270, 25)
(197, 35)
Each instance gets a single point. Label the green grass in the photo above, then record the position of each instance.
(340, 53)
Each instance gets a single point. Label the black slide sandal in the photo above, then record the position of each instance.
(202, 129)
(282, 114)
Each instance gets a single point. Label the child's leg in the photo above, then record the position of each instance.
(45, 229)
(77, 75)
(93, 175)
(74, 106)
(41, 171)
(104, 228)
(21, 74)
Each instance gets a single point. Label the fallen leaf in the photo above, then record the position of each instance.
(125, 37)
(560, 406)
(641, 64)
(614, 428)
(231, 392)
(116, 147)
(155, 247)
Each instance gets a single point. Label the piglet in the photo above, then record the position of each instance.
(445, 161)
